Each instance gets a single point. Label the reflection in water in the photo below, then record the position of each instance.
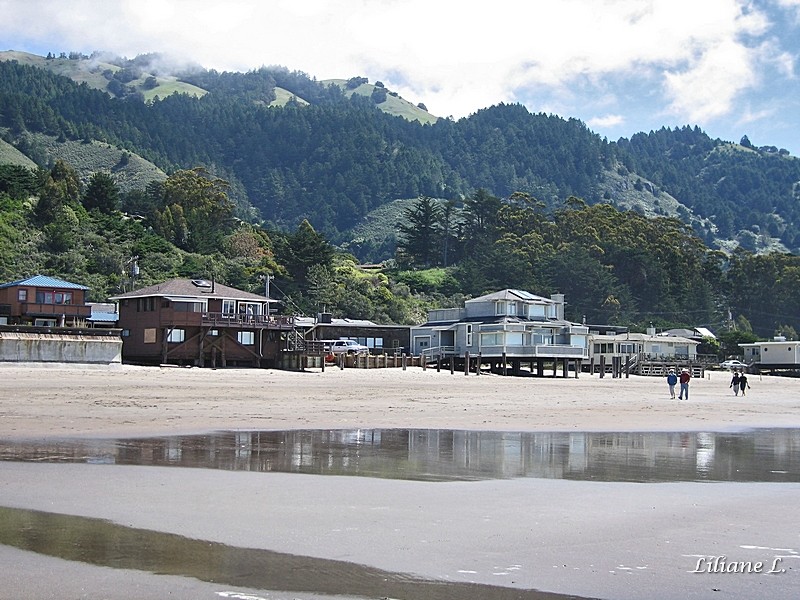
(103, 543)
(446, 455)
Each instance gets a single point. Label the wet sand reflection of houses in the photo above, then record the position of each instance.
(454, 455)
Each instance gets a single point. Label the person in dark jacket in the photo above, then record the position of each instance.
(743, 385)
(684, 379)
(735, 383)
(672, 379)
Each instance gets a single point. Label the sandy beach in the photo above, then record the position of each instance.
(583, 538)
(131, 401)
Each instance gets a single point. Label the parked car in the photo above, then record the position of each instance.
(732, 364)
(347, 347)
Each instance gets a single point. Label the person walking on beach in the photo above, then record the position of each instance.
(743, 385)
(672, 379)
(735, 383)
(684, 379)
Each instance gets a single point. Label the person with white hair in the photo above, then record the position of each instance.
(672, 379)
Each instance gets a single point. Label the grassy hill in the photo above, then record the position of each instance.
(92, 72)
(394, 104)
(11, 156)
(129, 170)
(283, 96)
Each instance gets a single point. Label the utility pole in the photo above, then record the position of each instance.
(133, 272)
(267, 278)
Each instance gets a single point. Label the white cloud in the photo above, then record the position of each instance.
(707, 89)
(606, 121)
(454, 57)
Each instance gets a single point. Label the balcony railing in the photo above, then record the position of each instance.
(56, 310)
(538, 351)
(219, 319)
(226, 320)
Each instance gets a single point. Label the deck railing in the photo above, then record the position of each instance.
(219, 319)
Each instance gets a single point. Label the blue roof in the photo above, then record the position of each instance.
(45, 281)
(103, 317)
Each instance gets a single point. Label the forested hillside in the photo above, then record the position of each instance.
(227, 184)
(334, 157)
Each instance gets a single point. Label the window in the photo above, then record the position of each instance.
(246, 338)
(176, 336)
(500, 308)
(44, 297)
(22, 295)
(145, 304)
(249, 310)
(535, 310)
(228, 307)
(627, 349)
(491, 339)
(44, 322)
(514, 338)
(469, 335)
(193, 307)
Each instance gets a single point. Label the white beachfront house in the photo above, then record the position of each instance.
(645, 346)
(512, 325)
(778, 354)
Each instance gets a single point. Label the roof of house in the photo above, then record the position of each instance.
(705, 332)
(192, 288)
(509, 294)
(644, 337)
(688, 333)
(104, 317)
(45, 281)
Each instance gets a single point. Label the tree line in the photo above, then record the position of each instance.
(615, 267)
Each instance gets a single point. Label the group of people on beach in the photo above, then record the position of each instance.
(683, 379)
(738, 383)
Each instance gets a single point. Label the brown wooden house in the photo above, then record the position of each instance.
(202, 323)
(44, 302)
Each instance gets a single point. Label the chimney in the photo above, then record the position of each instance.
(559, 300)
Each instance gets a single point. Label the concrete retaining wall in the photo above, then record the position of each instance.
(85, 348)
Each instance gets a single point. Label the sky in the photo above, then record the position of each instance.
(731, 67)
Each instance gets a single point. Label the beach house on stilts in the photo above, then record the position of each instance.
(512, 331)
(201, 323)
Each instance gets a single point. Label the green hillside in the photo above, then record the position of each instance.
(9, 155)
(392, 104)
(94, 72)
(283, 96)
(129, 171)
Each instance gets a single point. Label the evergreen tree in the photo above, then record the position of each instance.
(421, 234)
(101, 193)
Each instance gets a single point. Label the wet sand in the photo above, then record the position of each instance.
(591, 539)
